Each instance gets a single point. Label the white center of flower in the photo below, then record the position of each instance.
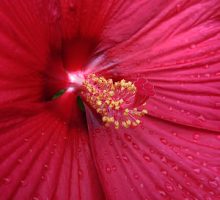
(76, 79)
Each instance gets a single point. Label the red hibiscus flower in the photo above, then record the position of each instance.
(110, 99)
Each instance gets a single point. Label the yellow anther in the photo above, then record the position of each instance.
(144, 111)
(117, 107)
(99, 103)
(114, 106)
(116, 123)
(134, 123)
(121, 101)
(98, 110)
(111, 93)
(110, 119)
(124, 124)
(138, 121)
(107, 102)
(128, 122)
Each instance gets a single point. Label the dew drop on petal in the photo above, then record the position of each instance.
(197, 170)
(201, 118)
(169, 187)
(20, 161)
(213, 183)
(147, 158)
(192, 46)
(6, 180)
(196, 136)
(80, 173)
(125, 158)
(114, 168)
(108, 170)
(162, 193)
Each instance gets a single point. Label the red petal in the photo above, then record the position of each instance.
(171, 35)
(178, 51)
(29, 40)
(41, 157)
(156, 161)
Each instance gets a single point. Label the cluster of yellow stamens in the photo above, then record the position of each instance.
(113, 101)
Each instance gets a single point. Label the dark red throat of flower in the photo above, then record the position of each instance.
(121, 103)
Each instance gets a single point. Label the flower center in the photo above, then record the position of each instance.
(118, 103)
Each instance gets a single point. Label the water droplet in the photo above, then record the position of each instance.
(190, 157)
(206, 66)
(164, 172)
(169, 187)
(26, 139)
(114, 168)
(175, 167)
(192, 46)
(71, 6)
(141, 185)
(46, 166)
(174, 133)
(147, 158)
(197, 170)
(162, 193)
(23, 183)
(108, 169)
(6, 180)
(208, 198)
(163, 140)
(136, 176)
(163, 159)
(125, 158)
(128, 137)
(213, 183)
(117, 157)
(42, 133)
(35, 198)
(180, 186)
(196, 136)
(135, 146)
(201, 186)
(80, 172)
(201, 118)
(19, 161)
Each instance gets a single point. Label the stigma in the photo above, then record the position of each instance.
(115, 102)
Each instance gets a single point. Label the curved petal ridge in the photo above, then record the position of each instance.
(173, 160)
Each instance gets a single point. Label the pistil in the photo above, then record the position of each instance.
(113, 101)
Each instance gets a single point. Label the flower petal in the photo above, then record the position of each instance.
(185, 32)
(159, 160)
(42, 157)
(178, 51)
(30, 38)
